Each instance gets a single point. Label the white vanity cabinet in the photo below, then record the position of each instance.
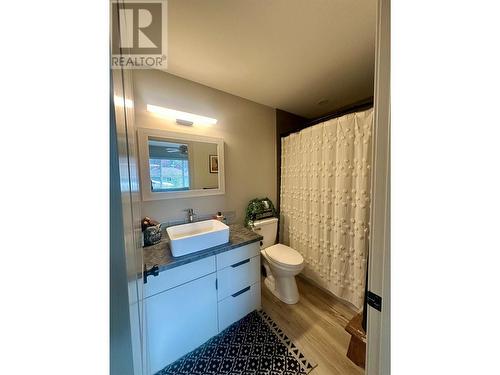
(187, 305)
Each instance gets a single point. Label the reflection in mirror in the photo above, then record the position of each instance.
(180, 166)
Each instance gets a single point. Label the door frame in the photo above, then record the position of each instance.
(378, 323)
(125, 211)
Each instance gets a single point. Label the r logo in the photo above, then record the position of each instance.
(140, 28)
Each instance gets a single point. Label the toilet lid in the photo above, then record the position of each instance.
(284, 255)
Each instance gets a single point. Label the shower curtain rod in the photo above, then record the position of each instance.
(355, 107)
(351, 108)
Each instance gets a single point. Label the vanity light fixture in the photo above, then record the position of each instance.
(182, 118)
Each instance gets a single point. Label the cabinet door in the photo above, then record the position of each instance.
(179, 320)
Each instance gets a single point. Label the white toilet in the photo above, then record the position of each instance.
(282, 262)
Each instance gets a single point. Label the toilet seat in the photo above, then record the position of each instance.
(284, 256)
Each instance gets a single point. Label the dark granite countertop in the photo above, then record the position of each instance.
(160, 253)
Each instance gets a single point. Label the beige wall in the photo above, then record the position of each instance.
(248, 130)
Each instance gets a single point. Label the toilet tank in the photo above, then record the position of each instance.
(267, 228)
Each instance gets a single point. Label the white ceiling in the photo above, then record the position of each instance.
(287, 54)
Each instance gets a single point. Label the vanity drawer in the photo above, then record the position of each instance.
(173, 277)
(237, 276)
(237, 255)
(239, 304)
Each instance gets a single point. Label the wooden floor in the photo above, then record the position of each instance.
(316, 325)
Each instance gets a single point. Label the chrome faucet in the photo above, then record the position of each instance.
(190, 215)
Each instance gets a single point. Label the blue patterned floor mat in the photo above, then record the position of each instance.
(254, 345)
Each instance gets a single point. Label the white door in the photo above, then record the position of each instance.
(179, 320)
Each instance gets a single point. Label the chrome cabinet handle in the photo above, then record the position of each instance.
(240, 263)
(240, 292)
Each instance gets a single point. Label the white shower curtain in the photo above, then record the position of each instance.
(325, 201)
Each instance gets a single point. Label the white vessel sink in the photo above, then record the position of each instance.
(190, 238)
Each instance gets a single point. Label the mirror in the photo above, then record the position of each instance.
(177, 165)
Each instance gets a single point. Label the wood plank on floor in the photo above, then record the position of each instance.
(316, 325)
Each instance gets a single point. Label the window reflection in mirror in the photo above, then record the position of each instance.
(168, 166)
(179, 166)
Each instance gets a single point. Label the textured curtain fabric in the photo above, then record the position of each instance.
(325, 201)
